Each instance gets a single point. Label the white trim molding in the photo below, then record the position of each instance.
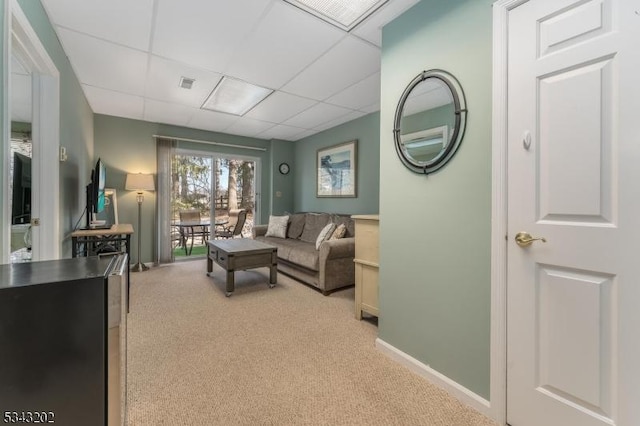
(45, 130)
(498, 362)
(463, 394)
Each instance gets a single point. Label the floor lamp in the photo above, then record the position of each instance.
(139, 182)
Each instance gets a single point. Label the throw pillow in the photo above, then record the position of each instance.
(277, 226)
(324, 234)
(339, 232)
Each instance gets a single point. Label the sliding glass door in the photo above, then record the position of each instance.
(206, 193)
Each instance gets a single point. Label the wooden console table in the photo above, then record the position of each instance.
(89, 242)
(366, 264)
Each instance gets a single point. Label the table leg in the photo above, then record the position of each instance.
(273, 275)
(209, 261)
(230, 283)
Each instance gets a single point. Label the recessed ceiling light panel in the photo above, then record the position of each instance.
(235, 97)
(345, 14)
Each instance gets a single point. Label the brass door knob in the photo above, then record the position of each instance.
(524, 239)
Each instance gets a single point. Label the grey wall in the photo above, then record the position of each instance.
(76, 123)
(128, 146)
(367, 131)
(435, 231)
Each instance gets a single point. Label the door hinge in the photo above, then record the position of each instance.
(35, 221)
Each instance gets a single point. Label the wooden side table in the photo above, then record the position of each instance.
(87, 242)
(366, 264)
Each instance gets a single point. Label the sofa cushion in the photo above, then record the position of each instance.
(305, 254)
(277, 226)
(313, 224)
(295, 251)
(296, 225)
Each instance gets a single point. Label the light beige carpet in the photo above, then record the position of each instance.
(281, 356)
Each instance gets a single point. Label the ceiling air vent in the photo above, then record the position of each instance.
(186, 82)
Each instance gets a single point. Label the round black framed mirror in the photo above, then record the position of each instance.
(430, 121)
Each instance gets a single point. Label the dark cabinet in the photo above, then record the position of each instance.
(54, 340)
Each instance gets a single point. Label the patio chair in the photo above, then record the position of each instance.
(237, 218)
(178, 238)
(190, 221)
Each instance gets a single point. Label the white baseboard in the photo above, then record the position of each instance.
(458, 391)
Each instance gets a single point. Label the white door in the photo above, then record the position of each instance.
(573, 303)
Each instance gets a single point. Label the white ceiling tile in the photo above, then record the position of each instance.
(371, 108)
(361, 94)
(204, 33)
(273, 54)
(281, 131)
(248, 127)
(113, 103)
(305, 134)
(340, 120)
(164, 78)
(371, 29)
(348, 62)
(107, 65)
(317, 115)
(211, 120)
(279, 107)
(125, 22)
(163, 112)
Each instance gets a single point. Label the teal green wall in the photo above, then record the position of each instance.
(281, 195)
(76, 123)
(367, 130)
(128, 146)
(435, 230)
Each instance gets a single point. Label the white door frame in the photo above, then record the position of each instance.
(498, 363)
(19, 38)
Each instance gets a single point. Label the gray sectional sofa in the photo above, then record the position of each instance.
(328, 268)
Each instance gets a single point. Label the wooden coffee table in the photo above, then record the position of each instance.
(241, 254)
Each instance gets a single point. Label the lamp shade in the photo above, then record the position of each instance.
(139, 182)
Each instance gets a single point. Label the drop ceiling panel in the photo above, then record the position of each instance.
(274, 53)
(371, 29)
(249, 127)
(163, 112)
(211, 120)
(107, 65)
(371, 108)
(204, 33)
(360, 95)
(279, 107)
(340, 120)
(125, 22)
(164, 78)
(108, 102)
(282, 132)
(348, 62)
(317, 115)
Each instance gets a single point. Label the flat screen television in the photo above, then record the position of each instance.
(21, 192)
(96, 195)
